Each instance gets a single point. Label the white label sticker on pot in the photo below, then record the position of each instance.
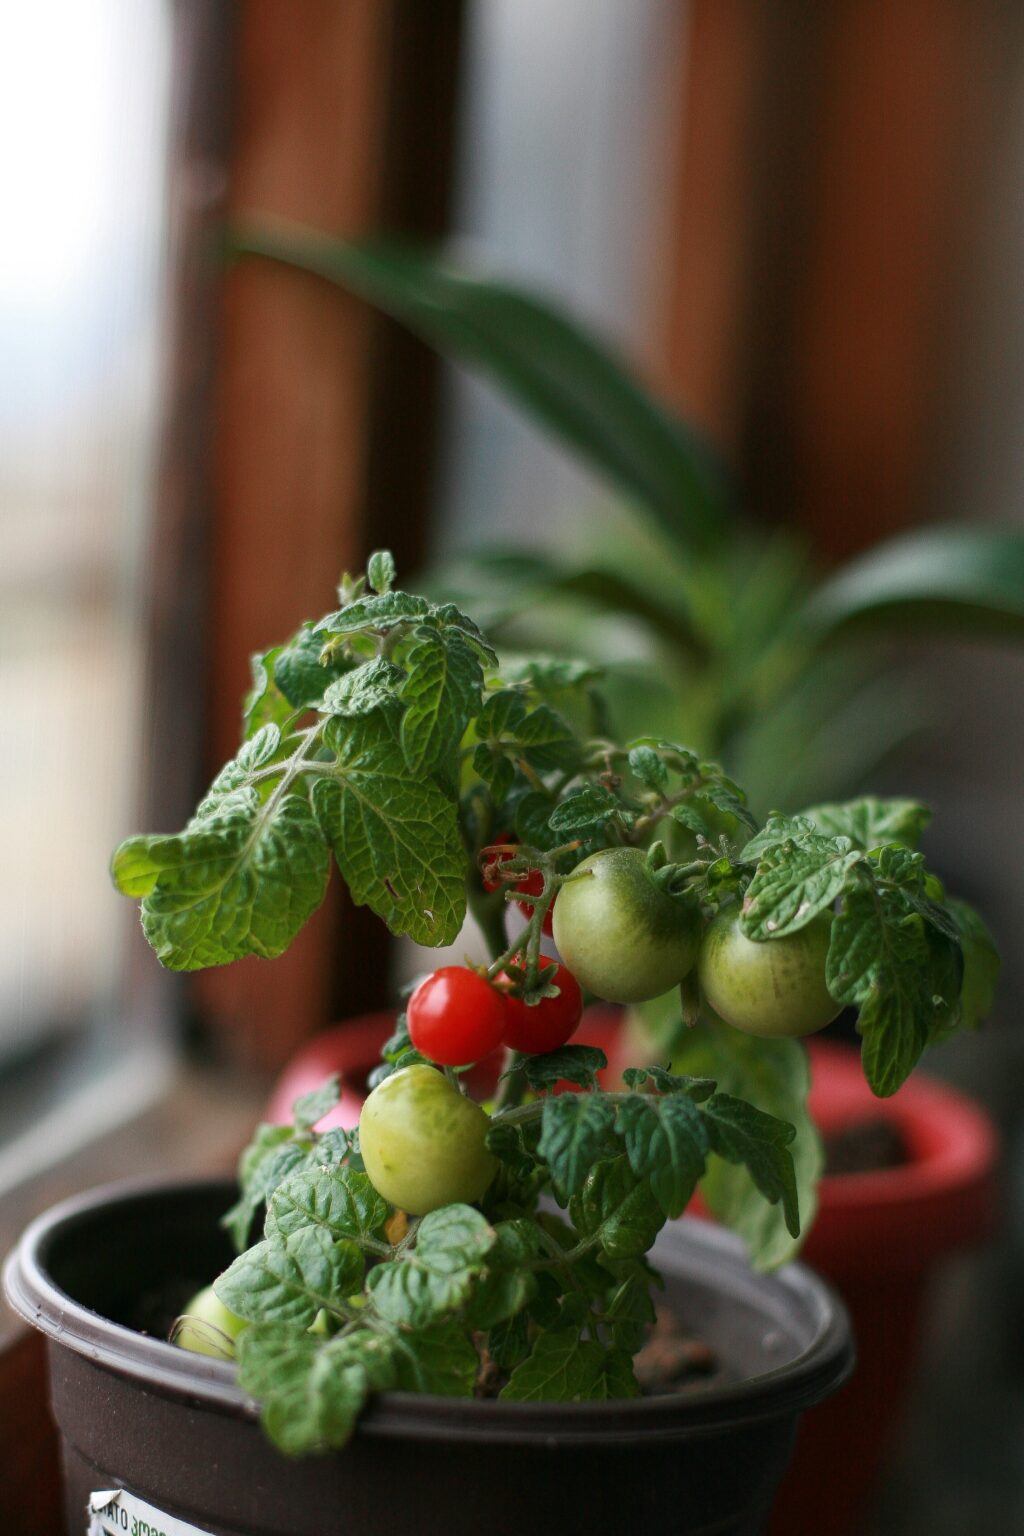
(116, 1512)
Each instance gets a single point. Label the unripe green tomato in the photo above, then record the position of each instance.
(206, 1327)
(622, 936)
(422, 1142)
(770, 987)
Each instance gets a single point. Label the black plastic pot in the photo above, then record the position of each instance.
(172, 1427)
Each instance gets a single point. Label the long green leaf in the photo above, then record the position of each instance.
(966, 579)
(562, 375)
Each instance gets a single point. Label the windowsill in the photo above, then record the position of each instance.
(197, 1126)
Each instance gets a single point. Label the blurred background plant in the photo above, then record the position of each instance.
(761, 662)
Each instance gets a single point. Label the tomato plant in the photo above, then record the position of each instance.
(455, 1017)
(773, 987)
(551, 1021)
(621, 932)
(423, 1142)
(421, 1250)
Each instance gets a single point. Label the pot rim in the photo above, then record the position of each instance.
(818, 1369)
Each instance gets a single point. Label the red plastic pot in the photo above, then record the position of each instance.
(879, 1237)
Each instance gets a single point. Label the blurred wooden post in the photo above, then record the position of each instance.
(343, 121)
(827, 215)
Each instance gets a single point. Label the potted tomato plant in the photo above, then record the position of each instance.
(464, 1311)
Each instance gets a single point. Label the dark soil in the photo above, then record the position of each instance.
(866, 1146)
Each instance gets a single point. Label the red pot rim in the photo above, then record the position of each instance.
(943, 1199)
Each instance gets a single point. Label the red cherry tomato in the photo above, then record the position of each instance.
(455, 1017)
(546, 1025)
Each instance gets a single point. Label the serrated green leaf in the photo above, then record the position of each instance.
(441, 694)
(879, 960)
(618, 1207)
(629, 1312)
(312, 1390)
(649, 767)
(508, 727)
(395, 836)
(341, 1202)
(505, 1287)
(311, 1107)
(574, 1129)
(240, 881)
(779, 829)
(577, 1064)
(508, 1343)
(380, 613)
(439, 1359)
(870, 822)
(291, 1282)
(375, 685)
(584, 812)
(726, 797)
(452, 1245)
(264, 704)
(742, 1134)
(772, 1075)
(380, 570)
(793, 883)
(298, 671)
(690, 817)
(667, 1143)
(696, 1088)
(448, 616)
(562, 1367)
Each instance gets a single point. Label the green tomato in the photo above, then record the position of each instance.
(620, 932)
(422, 1142)
(206, 1327)
(770, 987)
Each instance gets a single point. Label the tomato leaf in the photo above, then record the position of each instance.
(577, 1064)
(584, 812)
(773, 1076)
(380, 570)
(881, 959)
(666, 1141)
(395, 836)
(574, 1130)
(340, 1201)
(374, 685)
(562, 1367)
(618, 1207)
(312, 1390)
(439, 1359)
(240, 880)
(379, 614)
(452, 1245)
(742, 1134)
(290, 1282)
(793, 883)
(441, 694)
(870, 822)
